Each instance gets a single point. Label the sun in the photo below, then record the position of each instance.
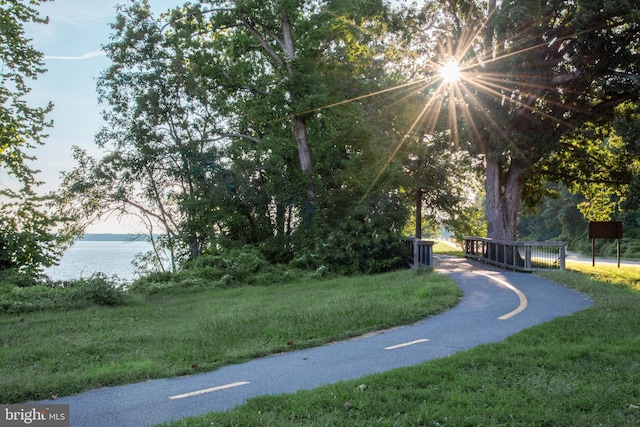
(450, 72)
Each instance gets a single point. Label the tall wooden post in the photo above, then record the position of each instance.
(416, 247)
(419, 213)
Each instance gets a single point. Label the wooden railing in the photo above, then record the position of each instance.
(422, 251)
(521, 256)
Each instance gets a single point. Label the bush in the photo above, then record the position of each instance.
(228, 268)
(154, 282)
(20, 279)
(98, 290)
(45, 294)
(240, 264)
(344, 253)
(26, 299)
(367, 240)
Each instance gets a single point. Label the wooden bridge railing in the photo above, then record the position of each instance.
(521, 256)
(420, 251)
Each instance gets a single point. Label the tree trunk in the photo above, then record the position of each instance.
(504, 176)
(302, 140)
(299, 124)
(504, 186)
(419, 213)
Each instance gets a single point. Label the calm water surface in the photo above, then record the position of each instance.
(87, 257)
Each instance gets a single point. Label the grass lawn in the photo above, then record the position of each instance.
(55, 353)
(579, 370)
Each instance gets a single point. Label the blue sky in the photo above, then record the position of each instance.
(72, 43)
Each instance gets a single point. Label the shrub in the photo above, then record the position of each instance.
(228, 268)
(368, 240)
(81, 293)
(32, 298)
(99, 290)
(21, 279)
(153, 282)
(234, 265)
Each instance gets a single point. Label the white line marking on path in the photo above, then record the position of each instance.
(209, 390)
(523, 298)
(406, 344)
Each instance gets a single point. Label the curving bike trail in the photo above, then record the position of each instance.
(495, 304)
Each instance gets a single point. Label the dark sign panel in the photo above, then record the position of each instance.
(605, 230)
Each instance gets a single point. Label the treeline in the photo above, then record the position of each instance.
(108, 237)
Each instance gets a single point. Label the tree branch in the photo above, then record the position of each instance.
(271, 51)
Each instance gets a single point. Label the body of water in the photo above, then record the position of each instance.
(86, 257)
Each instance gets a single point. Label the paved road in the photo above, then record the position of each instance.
(496, 304)
(574, 256)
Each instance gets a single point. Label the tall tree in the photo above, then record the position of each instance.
(627, 126)
(27, 241)
(202, 110)
(532, 72)
(161, 136)
(274, 54)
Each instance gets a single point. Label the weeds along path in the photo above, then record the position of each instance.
(495, 304)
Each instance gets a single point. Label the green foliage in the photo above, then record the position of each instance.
(22, 125)
(601, 169)
(98, 289)
(629, 248)
(27, 242)
(14, 278)
(467, 218)
(279, 122)
(598, 165)
(627, 126)
(207, 151)
(366, 239)
(556, 218)
(224, 269)
(20, 292)
(532, 80)
(238, 265)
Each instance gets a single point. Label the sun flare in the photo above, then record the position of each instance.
(450, 72)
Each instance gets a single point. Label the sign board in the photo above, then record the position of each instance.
(605, 230)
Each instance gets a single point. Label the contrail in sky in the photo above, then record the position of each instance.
(89, 55)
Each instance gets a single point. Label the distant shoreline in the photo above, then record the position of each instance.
(108, 237)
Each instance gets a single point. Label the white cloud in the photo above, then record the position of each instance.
(85, 14)
(94, 54)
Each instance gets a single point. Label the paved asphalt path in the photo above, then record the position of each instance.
(496, 304)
